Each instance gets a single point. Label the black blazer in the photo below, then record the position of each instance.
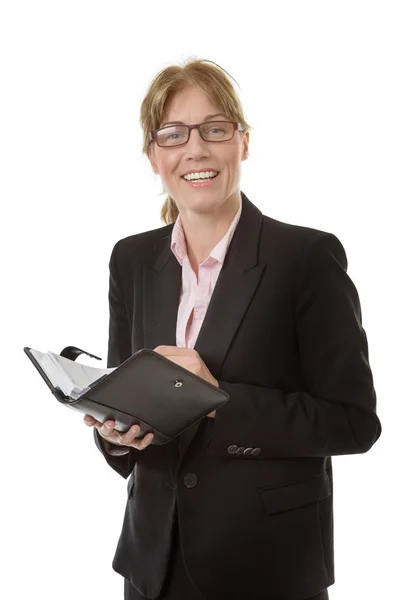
(253, 487)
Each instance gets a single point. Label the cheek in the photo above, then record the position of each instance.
(234, 159)
(235, 166)
(167, 168)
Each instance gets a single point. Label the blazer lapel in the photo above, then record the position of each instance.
(161, 294)
(235, 287)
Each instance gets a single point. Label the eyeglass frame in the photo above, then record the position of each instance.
(153, 134)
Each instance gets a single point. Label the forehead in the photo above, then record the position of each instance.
(190, 105)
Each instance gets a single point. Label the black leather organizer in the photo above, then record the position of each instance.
(147, 389)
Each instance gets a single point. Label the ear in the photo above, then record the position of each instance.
(154, 166)
(153, 161)
(245, 146)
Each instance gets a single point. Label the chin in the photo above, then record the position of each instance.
(203, 203)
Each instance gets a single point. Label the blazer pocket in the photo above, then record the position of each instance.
(294, 495)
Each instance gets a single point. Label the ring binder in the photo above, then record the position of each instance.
(72, 353)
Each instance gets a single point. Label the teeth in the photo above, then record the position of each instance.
(202, 175)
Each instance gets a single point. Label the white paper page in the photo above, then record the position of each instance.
(42, 360)
(81, 375)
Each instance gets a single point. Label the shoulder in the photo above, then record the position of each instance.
(287, 242)
(140, 247)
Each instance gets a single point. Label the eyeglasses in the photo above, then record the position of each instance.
(178, 135)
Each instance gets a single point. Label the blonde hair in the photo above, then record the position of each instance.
(214, 82)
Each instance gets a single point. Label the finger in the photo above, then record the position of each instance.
(148, 439)
(128, 437)
(175, 350)
(108, 432)
(94, 423)
(143, 443)
(105, 429)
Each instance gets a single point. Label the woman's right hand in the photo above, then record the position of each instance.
(111, 435)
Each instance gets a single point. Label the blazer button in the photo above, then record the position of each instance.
(255, 451)
(240, 451)
(248, 451)
(190, 480)
(232, 449)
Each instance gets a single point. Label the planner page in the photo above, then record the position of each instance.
(81, 376)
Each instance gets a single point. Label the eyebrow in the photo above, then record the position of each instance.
(206, 118)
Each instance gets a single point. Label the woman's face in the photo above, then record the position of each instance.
(191, 106)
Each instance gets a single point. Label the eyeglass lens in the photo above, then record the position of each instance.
(216, 131)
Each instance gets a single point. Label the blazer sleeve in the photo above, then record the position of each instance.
(336, 412)
(120, 458)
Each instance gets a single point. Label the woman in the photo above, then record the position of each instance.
(238, 506)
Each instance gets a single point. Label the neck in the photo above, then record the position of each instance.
(203, 231)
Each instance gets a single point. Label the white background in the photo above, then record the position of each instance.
(320, 85)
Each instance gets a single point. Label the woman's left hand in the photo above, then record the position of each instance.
(188, 359)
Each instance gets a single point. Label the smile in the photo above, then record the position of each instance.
(201, 182)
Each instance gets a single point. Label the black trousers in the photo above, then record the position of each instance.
(178, 586)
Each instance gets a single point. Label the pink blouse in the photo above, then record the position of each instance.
(196, 292)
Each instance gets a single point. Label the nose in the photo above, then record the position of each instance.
(196, 147)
